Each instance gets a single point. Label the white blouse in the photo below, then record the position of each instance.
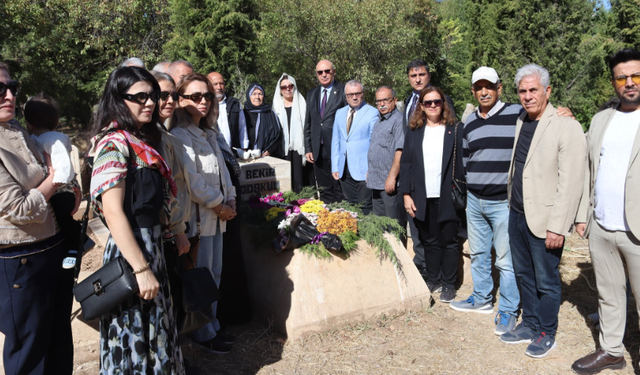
(432, 148)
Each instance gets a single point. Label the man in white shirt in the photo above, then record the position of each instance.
(231, 120)
(609, 214)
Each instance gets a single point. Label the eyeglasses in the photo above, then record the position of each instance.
(326, 71)
(622, 80)
(286, 88)
(383, 101)
(429, 103)
(142, 97)
(14, 86)
(197, 96)
(354, 94)
(164, 95)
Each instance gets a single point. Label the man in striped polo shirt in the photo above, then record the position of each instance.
(488, 139)
(487, 146)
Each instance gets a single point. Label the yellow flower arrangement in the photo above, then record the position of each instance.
(336, 222)
(273, 212)
(312, 206)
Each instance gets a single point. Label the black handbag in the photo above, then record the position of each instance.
(198, 291)
(106, 288)
(109, 286)
(458, 193)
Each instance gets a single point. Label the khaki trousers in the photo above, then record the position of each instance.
(611, 253)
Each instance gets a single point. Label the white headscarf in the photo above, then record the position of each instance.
(293, 139)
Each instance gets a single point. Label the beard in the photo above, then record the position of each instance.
(625, 98)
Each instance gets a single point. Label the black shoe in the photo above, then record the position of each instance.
(448, 294)
(215, 345)
(225, 336)
(434, 288)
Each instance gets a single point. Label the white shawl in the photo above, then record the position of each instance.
(293, 139)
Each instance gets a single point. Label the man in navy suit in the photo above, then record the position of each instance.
(351, 136)
(322, 103)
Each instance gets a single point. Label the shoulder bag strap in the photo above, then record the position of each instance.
(455, 154)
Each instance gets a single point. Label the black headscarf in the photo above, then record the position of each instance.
(270, 131)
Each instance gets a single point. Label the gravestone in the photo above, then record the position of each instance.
(264, 176)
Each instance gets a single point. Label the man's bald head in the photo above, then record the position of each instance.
(326, 72)
(217, 80)
(179, 69)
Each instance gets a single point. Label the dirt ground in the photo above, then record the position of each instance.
(434, 340)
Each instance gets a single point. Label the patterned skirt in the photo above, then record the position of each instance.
(140, 336)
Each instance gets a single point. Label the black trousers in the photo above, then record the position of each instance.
(331, 191)
(356, 192)
(63, 204)
(440, 241)
(297, 171)
(35, 312)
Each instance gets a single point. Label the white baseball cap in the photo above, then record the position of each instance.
(484, 72)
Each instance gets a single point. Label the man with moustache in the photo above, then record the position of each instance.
(231, 120)
(385, 150)
(322, 103)
(544, 188)
(609, 213)
(487, 146)
(350, 141)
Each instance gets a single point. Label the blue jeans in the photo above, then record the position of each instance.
(210, 256)
(538, 276)
(488, 225)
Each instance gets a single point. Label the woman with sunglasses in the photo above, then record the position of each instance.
(35, 291)
(291, 108)
(263, 126)
(130, 186)
(175, 238)
(426, 169)
(213, 196)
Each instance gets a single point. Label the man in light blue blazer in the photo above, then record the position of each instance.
(350, 144)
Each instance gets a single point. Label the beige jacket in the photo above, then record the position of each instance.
(553, 173)
(208, 175)
(171, 150)
(595, 136)
(25, 215)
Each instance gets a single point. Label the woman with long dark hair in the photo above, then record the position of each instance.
(263, 126)
(426, 169)
(130, 186)
(213, 196)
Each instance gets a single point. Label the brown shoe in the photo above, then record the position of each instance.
(596, 362)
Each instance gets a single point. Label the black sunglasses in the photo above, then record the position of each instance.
(197, 97)
(428, 103)
(14, 86)
(326, 71)
(142, 97)
(164, 95)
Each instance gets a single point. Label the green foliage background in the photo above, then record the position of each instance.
(68, 47)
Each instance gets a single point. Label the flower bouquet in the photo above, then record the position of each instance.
(319, 229)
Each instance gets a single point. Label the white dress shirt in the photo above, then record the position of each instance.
(612, 171)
